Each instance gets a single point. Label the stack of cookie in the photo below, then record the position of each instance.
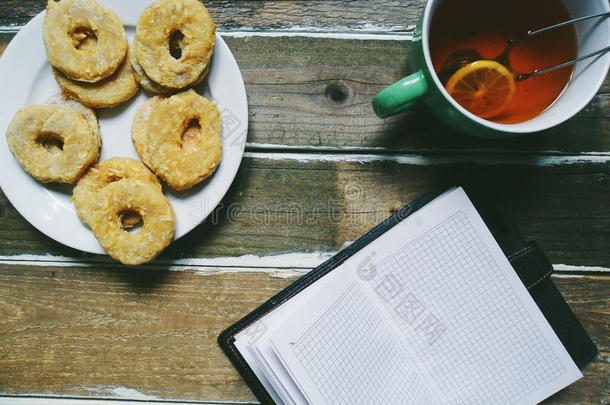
(87, 46)
(123, 204)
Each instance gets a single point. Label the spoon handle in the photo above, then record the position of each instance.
(523, 76)
(531, 33)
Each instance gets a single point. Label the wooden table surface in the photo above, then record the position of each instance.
(319, 170)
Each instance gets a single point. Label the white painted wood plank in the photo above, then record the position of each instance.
(274, 147)
(440, 159)
(374, 33)
(289, 265)
(32, 400)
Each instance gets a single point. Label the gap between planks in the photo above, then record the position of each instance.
(381, 150)
(51, 400)
(290, 265)
(375, 34)
(532, 159)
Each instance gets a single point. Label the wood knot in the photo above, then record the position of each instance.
(338, 92)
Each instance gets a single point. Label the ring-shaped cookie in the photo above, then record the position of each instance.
(183, 139)
(52, 143)
(147, 83)
(158, 221)
(160, 24)
(141, 77)
(88, 192)
(84, 40)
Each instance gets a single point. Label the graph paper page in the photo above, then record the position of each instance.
(430, 311)
(362, 362)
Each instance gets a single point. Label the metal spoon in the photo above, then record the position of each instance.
(461, 58)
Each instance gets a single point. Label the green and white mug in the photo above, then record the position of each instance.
(424, 84)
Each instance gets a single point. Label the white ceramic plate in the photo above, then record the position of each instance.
(25, 79)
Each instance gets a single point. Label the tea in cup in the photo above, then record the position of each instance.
(469, 58)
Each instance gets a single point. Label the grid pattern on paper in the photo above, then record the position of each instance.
(352, 357)
(491, 350)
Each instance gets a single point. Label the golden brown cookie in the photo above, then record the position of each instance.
(84, 40)
(158, 221)
(147, 83)
(90, 188)
(65, 101)
(109, 92)
(53, 143)
(144, 81)
(183, 139)
(174, 42)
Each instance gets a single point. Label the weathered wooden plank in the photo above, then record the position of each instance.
(309, 203)
(309, 93)
(313, 92)
(274, 14)
(87, 331)
(101, 331)
(92, 331)
(588, 308)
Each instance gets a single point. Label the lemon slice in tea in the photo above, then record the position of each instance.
(485, 87)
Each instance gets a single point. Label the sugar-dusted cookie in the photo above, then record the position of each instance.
(174, 42)
(53, 143)
(179, 138)
(84, 40)
(89, 190)
(158, 221)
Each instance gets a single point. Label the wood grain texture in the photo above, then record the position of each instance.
(88, 331)
(289, 205)
(83, 331)
(274, 14)
(289, 82)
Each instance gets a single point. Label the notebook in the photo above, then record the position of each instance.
(426, 308)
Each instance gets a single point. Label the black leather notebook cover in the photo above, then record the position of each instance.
(530, 263)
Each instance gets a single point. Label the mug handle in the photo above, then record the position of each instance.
(400, 95)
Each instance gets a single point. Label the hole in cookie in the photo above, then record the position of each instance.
(113, 178)
(83, 37)
(190, 134)
(131, 221)
(50, 141)
(176, 44)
